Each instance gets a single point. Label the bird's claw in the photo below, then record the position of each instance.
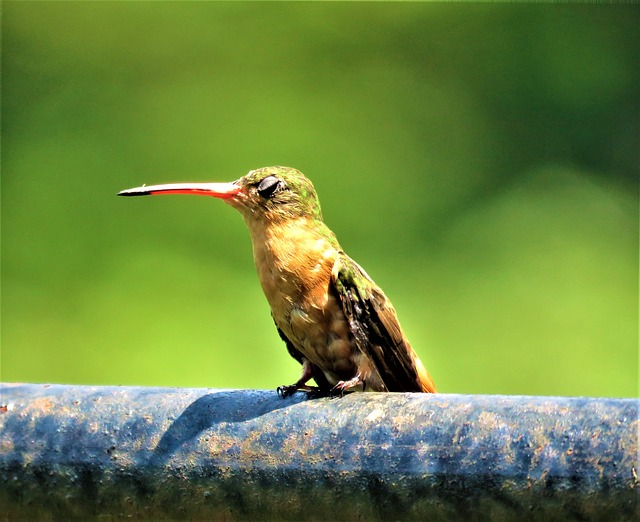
(289, 390)
(286, 391)
(339, 389)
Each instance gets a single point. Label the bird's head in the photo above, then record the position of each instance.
(271, 194)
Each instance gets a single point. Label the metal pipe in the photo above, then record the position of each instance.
(110, 452)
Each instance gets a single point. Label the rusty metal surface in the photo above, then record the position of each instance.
(160, 453)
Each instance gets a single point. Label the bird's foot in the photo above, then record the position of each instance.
(339, 389)
(288, 391)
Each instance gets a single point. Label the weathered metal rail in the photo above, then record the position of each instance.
(80, 452)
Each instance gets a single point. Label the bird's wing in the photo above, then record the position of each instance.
(293, 351)
(318, 376)
(374, 325)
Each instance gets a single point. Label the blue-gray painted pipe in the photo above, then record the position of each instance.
(108, 452)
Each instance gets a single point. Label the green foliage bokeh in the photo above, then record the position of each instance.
(480, 161)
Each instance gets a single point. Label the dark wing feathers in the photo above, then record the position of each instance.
(374, 325)
(293, 351)
(318, 376)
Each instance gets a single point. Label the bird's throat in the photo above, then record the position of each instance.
(294, 262)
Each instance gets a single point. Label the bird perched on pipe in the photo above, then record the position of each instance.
(335, 321)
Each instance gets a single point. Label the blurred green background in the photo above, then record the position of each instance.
(480, 161)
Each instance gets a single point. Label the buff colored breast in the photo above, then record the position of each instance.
(294, 266)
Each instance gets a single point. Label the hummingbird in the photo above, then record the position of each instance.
(335, 321)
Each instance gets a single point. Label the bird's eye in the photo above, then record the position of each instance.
(269, 186)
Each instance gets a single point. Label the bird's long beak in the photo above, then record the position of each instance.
(216, 190)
